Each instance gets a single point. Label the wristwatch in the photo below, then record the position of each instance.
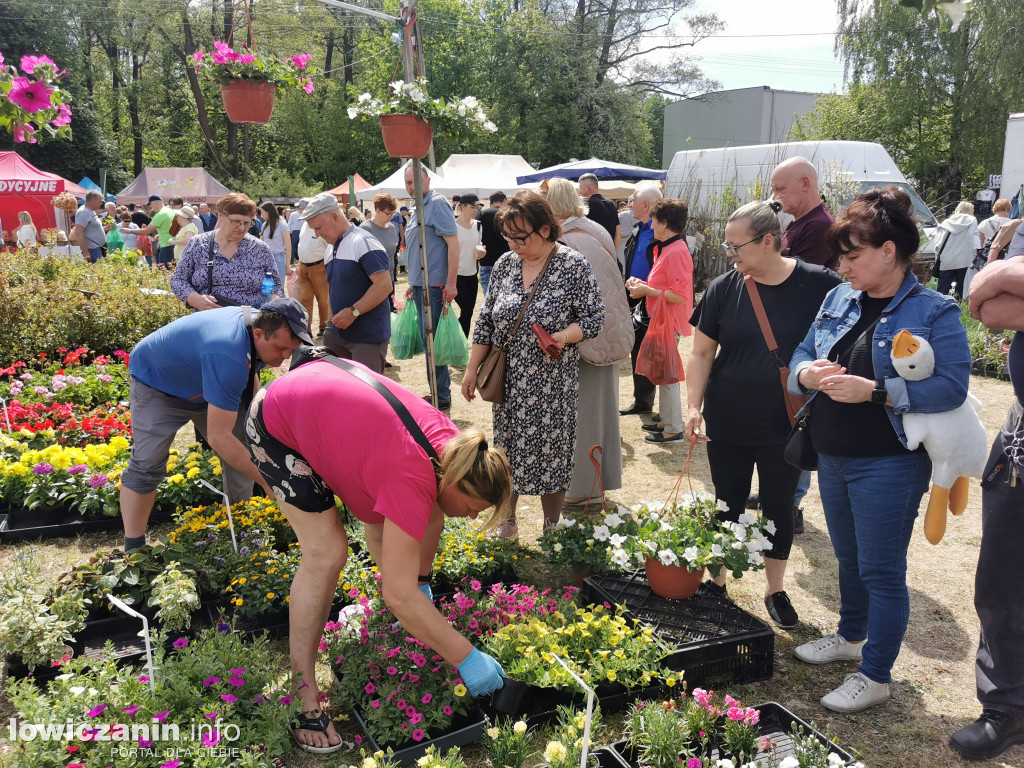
(879, 394)
(355, 312)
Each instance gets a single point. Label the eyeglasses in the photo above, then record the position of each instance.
(240, 223)
(519, 240)
(734, 250)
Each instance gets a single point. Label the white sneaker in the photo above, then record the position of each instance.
(856, 693)
(507, 530)
(826, 650)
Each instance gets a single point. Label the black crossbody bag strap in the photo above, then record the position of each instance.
(387, 394)
(209, 266)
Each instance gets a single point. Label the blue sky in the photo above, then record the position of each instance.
(786, 44)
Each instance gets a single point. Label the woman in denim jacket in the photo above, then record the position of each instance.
(871, 485)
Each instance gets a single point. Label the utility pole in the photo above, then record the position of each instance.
(408, 29)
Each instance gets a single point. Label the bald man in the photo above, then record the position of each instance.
(795, 186)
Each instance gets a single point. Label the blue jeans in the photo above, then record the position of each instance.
(165, 255)
(444, 377)
(802, 487)
(485, 280)
(282, 268)
(870, 508)
(95, 254)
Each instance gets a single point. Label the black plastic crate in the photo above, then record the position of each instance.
(774, 725)
(715, 641)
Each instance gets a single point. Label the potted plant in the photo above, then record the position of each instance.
(409, 116)
(32, 104)
(584, 541)
(676, 542)
(249, 80)
(466, 553)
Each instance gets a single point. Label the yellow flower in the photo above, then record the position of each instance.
(192, 473)
(176, 479)
(520, 727)
(555, 752)
(494, 733)
(611, 675)
(242, 580)
(270, 595)
(460, 690)
(670, 682)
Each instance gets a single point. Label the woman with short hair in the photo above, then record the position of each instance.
(536, 423)
(240, 261)
(732, 381)
(871, 484)
(381, 226)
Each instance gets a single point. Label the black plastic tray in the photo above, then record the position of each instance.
(408, 753)
(715, 641)
(774, 724)
(29, 525)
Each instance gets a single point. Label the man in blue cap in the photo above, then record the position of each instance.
(202, 368)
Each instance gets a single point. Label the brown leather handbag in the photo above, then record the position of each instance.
(490, 376)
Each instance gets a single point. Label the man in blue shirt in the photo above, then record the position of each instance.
(442, 265)
(639, 260)
(201, 368)
(359, 280)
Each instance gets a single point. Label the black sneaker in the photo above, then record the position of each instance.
(798, 520)
(781, 610)
(754, 501)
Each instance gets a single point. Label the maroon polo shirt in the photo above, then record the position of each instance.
(804, 239)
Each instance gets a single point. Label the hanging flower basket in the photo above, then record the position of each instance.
(406, 135)
(674, 582)
(248, 101)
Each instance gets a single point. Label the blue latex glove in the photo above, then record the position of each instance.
(481, 673)
(425, 589)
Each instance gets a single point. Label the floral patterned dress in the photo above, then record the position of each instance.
(536, 425)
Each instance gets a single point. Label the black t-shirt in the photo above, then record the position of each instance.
(1015, 364)
(491, 238)
(138, 217)
(743, 403)
(855, 429)
(603, 211)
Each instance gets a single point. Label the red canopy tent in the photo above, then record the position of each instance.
(342, 189)
(23, 187)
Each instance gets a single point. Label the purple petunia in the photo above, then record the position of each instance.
(131, 710)
(211, 739)
(211, 681)
(161, 716)
(286, 700)
(77, 469)
(236, 681)
(97, 710)
(181, 642)
(229, 698)
(42, 468)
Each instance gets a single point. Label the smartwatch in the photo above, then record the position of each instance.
(879, 394)
(355, 312)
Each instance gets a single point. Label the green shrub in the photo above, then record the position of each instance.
(47, 302)
(989, 349)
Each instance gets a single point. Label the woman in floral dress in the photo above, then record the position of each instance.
(536, 424)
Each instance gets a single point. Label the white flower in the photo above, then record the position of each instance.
(716, 550)
(364, 97)
(726, 763)
(557, 547)
(613, 520)
(722, 506)
(462, 110)
(77, 690)
(491, 127)
(494, 732)
(617, 540)
(747, 519)
(417, 95)
(352, 113)
(620, 558)
(520, 727)
(790, 762)
(691, 554)
(369, 762)
(651, 545)
(757, 560)
(565, 522)
(601, 533)
(398, 85)
(834, 759)
(770, 527)
(469, 102)
(738, 530)
(666, 526)
(668, 557)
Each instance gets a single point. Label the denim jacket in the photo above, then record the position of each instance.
(927, 314)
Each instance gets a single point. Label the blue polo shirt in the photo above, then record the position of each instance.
(440, 222)
(201, 358)
(349, 264)
(640, 268)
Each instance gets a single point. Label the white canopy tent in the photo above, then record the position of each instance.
(394, 184)
(480, 174)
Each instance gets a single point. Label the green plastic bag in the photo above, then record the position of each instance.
(450, 344)
(405, 332)
(114, 241)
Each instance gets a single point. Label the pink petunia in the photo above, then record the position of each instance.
(229, 698)
(143, 679)
(238, 671)
(447, 710)
(392, 670)
(286, 700)
(30, 96)
(427, 698)
(416, 718)
(161, 716)
(236, 681)
(181, 642)
(358, 739)
(197, 57)
(171, 764)
(418, 735)
(309, 87)
(375, 704)
(212, 715)
(694, 762)
(211, 739)
(97, 710)
(211, 680)
(131, 710)
(301, 60)
(145, 744)
(370, 688)
(29, 63)
(246, 58)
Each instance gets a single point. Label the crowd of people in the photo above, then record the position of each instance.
(556, 283)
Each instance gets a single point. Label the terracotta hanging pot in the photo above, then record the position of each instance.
(406, 135)
(674, 582)
(249, 101)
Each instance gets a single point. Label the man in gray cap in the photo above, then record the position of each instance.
(359, 280)
(202, 368)
(295, 224)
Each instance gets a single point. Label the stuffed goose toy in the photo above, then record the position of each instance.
(955, 440)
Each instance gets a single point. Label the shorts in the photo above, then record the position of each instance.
(287, 473)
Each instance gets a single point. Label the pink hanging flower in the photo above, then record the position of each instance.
(197, 57)
(247, 58)
(309, 87)
(300, 60)
(29, 63)
(31, 97)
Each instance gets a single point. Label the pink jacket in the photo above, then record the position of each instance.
(673, 271)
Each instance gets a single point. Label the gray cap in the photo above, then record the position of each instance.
(325, 202)
(303, 202)
(292, 311)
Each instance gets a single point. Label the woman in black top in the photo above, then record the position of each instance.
(733, 377)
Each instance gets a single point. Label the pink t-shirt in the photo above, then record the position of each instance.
(673, 271)
(354, 440)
